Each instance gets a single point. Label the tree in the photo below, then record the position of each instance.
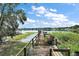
(9, 17)
(75, 26)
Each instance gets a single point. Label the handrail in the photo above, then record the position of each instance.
(31, 40)
(26, 45)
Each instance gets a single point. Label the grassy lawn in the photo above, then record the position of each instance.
(13, 46)
(68, 39)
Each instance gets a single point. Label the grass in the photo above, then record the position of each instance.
(21, 36)
(12, 47)
(68, 39)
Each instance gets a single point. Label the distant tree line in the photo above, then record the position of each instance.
(74, 28)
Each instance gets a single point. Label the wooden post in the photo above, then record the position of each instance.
(32, 43)
(56, 42)
(50, 52)
(69, 52)
(25, 51)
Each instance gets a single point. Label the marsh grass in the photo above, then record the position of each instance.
(68, 39)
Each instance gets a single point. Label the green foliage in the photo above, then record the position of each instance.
(68, 39)
(21, 36)
(9, 17)
(75, 30)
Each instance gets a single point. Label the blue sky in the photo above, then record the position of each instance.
(50, 14)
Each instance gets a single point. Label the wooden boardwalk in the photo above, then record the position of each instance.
(37, 47)
(42, 49)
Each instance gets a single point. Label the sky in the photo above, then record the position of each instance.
(40, 15)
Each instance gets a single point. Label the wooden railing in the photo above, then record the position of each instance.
(25, 50)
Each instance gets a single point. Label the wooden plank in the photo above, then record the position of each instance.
(41, 38)
(63, 50)
(56, 53)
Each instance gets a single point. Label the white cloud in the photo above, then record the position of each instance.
(51, 15)
(38, 15)
(44, 22)
(56, 17)
(39, 10)
(53, 10)
(71, 23)
(33, 8)
(59, 19)
(30, 20)
(73, 4)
